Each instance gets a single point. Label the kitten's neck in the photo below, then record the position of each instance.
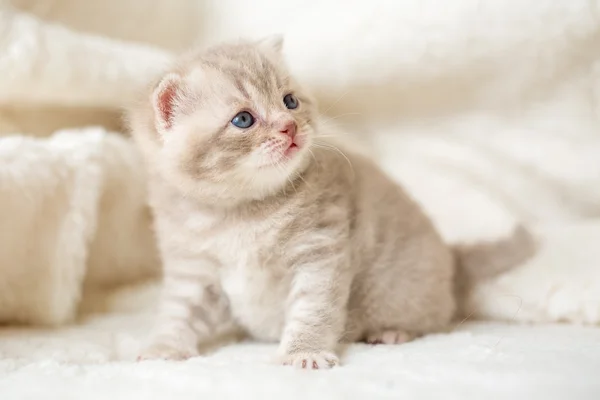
(293, 188)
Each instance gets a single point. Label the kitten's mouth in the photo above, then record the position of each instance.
(295, 144)
(291, 150)
(283, 152)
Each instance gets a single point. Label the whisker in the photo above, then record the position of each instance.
(325, 118)
(280, 168)
(332, 122)
(337, 101)
(303, 180)
(312, 155)
(332, 136)
(329, 146)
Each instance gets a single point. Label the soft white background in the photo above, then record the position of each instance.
(487, 111)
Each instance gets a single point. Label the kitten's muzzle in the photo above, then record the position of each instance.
(288, 128)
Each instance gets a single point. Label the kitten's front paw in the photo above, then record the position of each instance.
(320, 360)
(164, 351)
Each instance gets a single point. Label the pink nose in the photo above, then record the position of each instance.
(288, 128)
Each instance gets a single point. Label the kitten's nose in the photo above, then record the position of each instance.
(288, 128)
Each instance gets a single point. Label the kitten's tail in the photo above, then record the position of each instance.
(484, 260)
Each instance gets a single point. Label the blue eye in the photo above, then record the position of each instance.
(243, 120)
(290, 101)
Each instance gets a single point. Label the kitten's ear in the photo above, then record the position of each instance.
(166, 100)
(272, 43)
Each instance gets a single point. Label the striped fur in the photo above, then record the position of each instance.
(308, 250)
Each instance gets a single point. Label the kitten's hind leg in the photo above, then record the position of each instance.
(389, 337)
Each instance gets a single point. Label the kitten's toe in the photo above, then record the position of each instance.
(164, 351)
(320, 360)
(389, 337)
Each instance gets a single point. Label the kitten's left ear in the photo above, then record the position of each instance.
(272, 43)
(171, 99)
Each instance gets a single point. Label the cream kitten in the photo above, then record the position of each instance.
(263, 226)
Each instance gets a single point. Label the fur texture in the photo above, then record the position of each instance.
(272, 229)
(74, 217)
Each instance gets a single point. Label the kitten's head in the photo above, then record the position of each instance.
(232, 124)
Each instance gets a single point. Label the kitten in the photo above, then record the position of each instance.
(264, 226)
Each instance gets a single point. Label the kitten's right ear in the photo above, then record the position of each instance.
(166, 99)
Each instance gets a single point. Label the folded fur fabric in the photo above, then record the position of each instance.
(486, 111)
(73, 215)
(47, 63)
(72, 206)
(52, 77)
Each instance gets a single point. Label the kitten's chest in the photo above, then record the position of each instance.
(254, 279)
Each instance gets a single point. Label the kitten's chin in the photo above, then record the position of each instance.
(281, 157)
(285, 168)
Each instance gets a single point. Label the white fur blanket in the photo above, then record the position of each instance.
(478, 361)
(486, 111)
